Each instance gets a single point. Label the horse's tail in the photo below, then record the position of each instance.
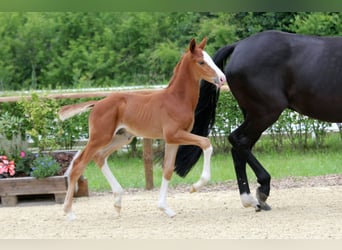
(188, 155)
(69, 111)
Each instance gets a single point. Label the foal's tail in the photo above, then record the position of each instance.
(74, 109)
(205, 112)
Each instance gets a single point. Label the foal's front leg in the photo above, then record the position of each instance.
(169, 162)
(205, 176)
(187, 138)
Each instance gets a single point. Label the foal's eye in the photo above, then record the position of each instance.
(201, 62)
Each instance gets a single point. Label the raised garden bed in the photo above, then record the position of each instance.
(13, 188)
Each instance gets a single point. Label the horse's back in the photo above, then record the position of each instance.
(289, 70)
(275, 49)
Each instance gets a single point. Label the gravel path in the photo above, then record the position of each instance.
(302, 208)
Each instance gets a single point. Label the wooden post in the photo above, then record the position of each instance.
(148, 163)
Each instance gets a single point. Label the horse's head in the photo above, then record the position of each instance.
(203, 65)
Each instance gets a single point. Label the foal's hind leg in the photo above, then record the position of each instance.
(76, 169)
(101, 157)
(114, 184)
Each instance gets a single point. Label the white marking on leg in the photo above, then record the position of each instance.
(114, 184)
(68, 171)
(72, 188)
(67, 205)
(205, 176)
(248, 200)
(162, 199)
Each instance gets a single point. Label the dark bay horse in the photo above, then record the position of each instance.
(267, 73)
(163, 114)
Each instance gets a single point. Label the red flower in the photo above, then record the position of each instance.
(6, 166)
(22, 154)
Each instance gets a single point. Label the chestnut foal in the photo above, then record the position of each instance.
(163, 114)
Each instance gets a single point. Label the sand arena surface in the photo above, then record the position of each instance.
(307, 208)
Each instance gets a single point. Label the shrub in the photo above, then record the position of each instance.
(44, 166)
(10, 125)
(42, 114)
(300, 130)
(23, 163)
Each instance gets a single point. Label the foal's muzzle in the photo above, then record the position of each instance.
(220, 81)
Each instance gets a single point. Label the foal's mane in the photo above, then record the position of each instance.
(176, 68)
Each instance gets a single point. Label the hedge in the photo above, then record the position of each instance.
(37, 119)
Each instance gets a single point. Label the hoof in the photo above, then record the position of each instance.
(262, 201)
(257, 208)
(249, 201)
(169, 212)
(71, 216)
(192, 189)
(117, 209)
(264, 206)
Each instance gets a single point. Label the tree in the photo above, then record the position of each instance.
(48, 50)
(317, 23)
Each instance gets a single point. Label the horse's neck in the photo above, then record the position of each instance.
(183, 84)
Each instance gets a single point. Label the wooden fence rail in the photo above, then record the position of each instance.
(58, 96)
(73, 94)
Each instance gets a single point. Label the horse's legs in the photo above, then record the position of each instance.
(169, 162)
(240, 169)
(182, 137)
(205, 176)
(240, 157)
(263, 178)
(243, 139)
(101, 160)
(78, 165)
(114, 184)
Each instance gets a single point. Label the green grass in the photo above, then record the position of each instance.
(288, 162)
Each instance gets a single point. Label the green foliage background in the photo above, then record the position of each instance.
(55, 50)
(49, 50)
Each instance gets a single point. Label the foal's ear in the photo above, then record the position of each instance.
(202, 44)
(192, 45)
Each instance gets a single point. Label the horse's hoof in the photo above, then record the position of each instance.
(117, 209)
(169, 212)
(192, 189)
(71, 216)
(264, 206)
(261, 197)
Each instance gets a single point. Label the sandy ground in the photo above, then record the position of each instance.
(309, 208)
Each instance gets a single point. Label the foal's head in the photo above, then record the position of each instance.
(203, 66)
